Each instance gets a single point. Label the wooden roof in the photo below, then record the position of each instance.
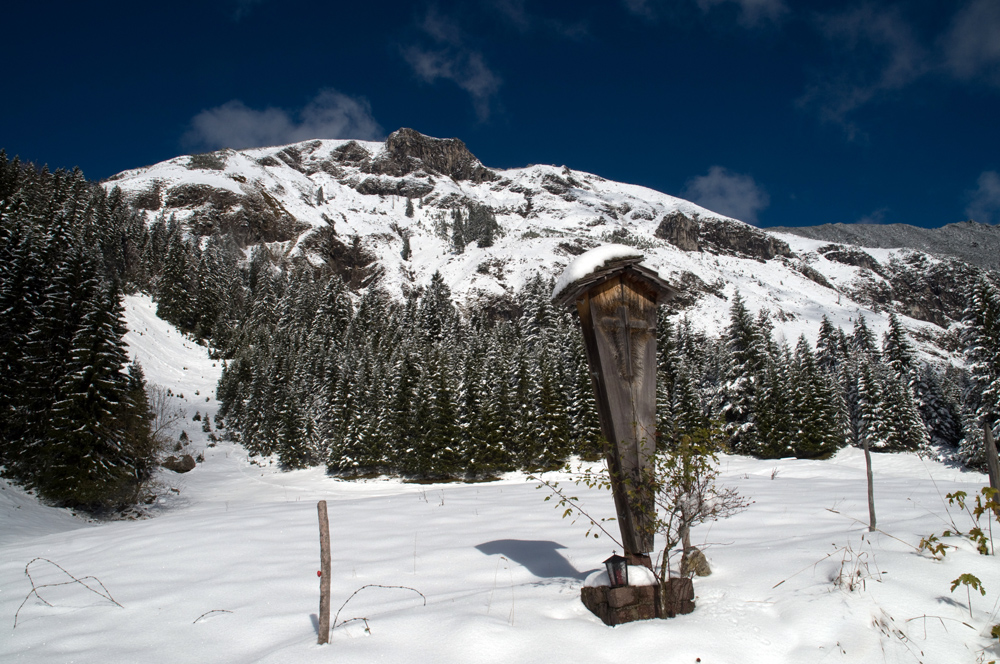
(628, 267)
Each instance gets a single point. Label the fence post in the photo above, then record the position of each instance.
(992, 463)
(324, 579)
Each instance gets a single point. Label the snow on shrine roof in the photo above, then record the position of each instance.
(594, 266)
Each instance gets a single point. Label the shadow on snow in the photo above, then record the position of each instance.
(540, 557)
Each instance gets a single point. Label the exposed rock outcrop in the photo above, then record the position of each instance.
(679, 230)
(408, 187)
(847, 255)
(407, 150)
(933, 292)
(720, 236)
(810, 273)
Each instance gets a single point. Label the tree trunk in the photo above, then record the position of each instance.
(685, 533)
(324, 579)
(871, 488)
(992, 463)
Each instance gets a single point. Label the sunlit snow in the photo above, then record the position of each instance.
(592, 261)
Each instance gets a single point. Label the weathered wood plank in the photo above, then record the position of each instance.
(622, 320)
(324, 579)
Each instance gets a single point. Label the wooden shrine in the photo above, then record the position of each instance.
(617, 305)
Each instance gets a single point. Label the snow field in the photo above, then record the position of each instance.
(502, 575)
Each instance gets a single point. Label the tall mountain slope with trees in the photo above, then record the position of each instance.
(385, 307)
(395, 315)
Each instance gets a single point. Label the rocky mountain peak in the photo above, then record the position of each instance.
(407, 150)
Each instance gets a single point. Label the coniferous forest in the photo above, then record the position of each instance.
(324, 367)
(74, 417)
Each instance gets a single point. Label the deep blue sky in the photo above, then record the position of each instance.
(779, 112)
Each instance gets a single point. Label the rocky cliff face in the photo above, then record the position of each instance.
(407, 151)
(720, 236)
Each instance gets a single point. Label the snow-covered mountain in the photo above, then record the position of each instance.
(322, 198)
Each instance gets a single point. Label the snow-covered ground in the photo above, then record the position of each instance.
(225, 570)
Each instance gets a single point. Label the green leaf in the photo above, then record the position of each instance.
(970, 580)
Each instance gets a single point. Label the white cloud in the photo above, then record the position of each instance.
(330, 114)
(524, 21)
(466, 69)
(640, 7)
(971, 46)
(451, 60)
(984, 201)
(880, 53)
(732, 194)
(753, 13)
(874, 217)
(244, 7)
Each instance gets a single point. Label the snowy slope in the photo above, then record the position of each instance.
(225, 571)
(547, 215)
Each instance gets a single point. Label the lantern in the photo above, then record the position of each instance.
(617, 570)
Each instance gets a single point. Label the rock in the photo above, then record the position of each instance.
(720, 236)
(810, 273)
(968, 241)
(185, 464)
(695, 563)
(405, 187)
(407, 150)
(736, 237)
(850, 256)
(679, 230)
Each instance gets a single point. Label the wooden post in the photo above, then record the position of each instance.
(992, 463)
(620, 317)
(617, 308)
(324, 579)
(871, 488)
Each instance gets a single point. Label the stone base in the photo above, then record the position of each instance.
(615, 606)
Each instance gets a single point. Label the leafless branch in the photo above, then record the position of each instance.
(35, 588)
(365, 620)
(210, 612)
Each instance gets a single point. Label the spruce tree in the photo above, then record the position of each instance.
(85, 457)
(773, 411)
(458, 239)
(746, 361)
(816, 407)
(176, 286)
(983, 349)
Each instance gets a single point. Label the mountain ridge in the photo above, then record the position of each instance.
(969, 241)
(395, 203)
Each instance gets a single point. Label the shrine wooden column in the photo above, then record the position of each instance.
(617, 307)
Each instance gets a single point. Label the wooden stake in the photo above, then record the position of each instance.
(992, 463)
(324, 579)
(871, 488)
